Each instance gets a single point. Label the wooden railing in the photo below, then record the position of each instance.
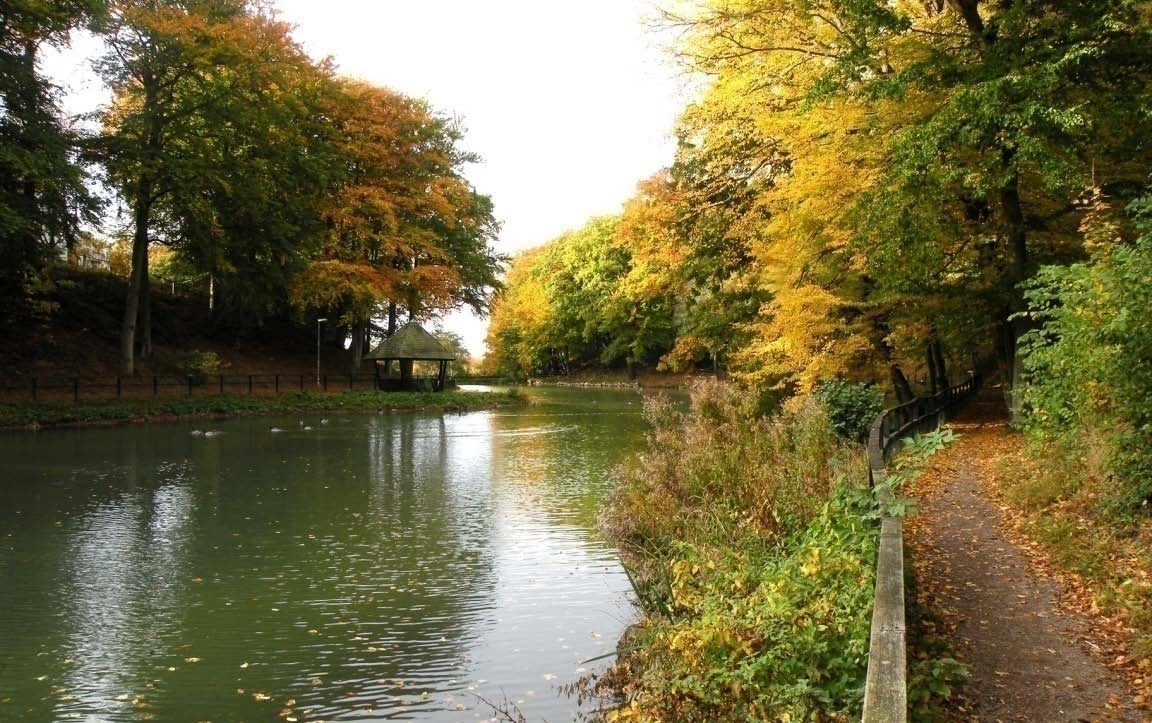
(886, 689)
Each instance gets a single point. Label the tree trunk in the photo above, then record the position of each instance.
(357, 346)
(1016, 237)
(391, 330)
(139, 268)
(930, 358)
(900, 384)
(937, 351)
(142, 217)
(145, 310)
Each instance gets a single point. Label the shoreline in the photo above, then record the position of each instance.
(621, 381)
(34, 416)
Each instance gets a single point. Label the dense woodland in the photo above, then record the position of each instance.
(887, 192)
(233, 161)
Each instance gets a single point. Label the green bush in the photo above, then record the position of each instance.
(200, 365)
(1088, 362)
(850, 407)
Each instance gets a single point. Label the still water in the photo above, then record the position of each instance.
(378, 567)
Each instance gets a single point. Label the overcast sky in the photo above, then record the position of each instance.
(569, 103)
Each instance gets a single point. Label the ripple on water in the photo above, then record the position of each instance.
(382, 566)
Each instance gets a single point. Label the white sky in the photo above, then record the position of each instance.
(570, 104)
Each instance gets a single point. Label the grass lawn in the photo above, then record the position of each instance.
(33, 415)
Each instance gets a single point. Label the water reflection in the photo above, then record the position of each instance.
(377, 567)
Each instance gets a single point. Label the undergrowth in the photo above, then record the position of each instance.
(752, 545)
(1056, 485)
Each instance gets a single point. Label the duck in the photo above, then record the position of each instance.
(274, 430)
(306, 428)
(323, 421)
(197, 433)
(213, 433)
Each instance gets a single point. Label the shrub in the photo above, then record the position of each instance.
(1087, 363)
(200, 365)
(751, 544)
(719, 475)
(850, 407)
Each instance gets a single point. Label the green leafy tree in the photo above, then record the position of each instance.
(42, 196)
(1086, 360)
(213, 141)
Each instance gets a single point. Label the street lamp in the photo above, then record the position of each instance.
(318, 323)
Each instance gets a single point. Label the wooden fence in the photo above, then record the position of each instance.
(78, 389)
(886, 689)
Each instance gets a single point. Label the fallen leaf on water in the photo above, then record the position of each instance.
(258, 696)
(243, 665)
(191, 660)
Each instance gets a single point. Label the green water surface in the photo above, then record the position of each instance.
(373, 567)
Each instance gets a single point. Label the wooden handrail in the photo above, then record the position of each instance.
(886, 687)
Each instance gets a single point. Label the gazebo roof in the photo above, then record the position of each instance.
(411, 341)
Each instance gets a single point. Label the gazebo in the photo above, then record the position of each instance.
(410, 343)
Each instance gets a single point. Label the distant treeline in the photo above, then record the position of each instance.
(255, 168)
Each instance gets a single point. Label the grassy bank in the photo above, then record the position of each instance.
(25, 415)
(646, 378)
(752, 544)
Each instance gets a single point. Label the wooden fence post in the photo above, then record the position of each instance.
(155, 387)
(189, 385)
(119, 386)
(75, 389)
(349, 382)
(34, 395)
(249, 384)
(301, 382)
(221, 383)
(276, 384)
(325, 378)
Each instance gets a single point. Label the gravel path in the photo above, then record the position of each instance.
(1029, 660)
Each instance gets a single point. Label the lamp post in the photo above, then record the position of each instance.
(318, 323)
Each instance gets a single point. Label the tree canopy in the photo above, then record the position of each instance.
(251, 165)
(862, 188)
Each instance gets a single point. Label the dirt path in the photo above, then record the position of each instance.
(1029, 659)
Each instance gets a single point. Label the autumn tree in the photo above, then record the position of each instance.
(405, 229)
(919, 158)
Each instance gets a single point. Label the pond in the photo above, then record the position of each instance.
(373, 567)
